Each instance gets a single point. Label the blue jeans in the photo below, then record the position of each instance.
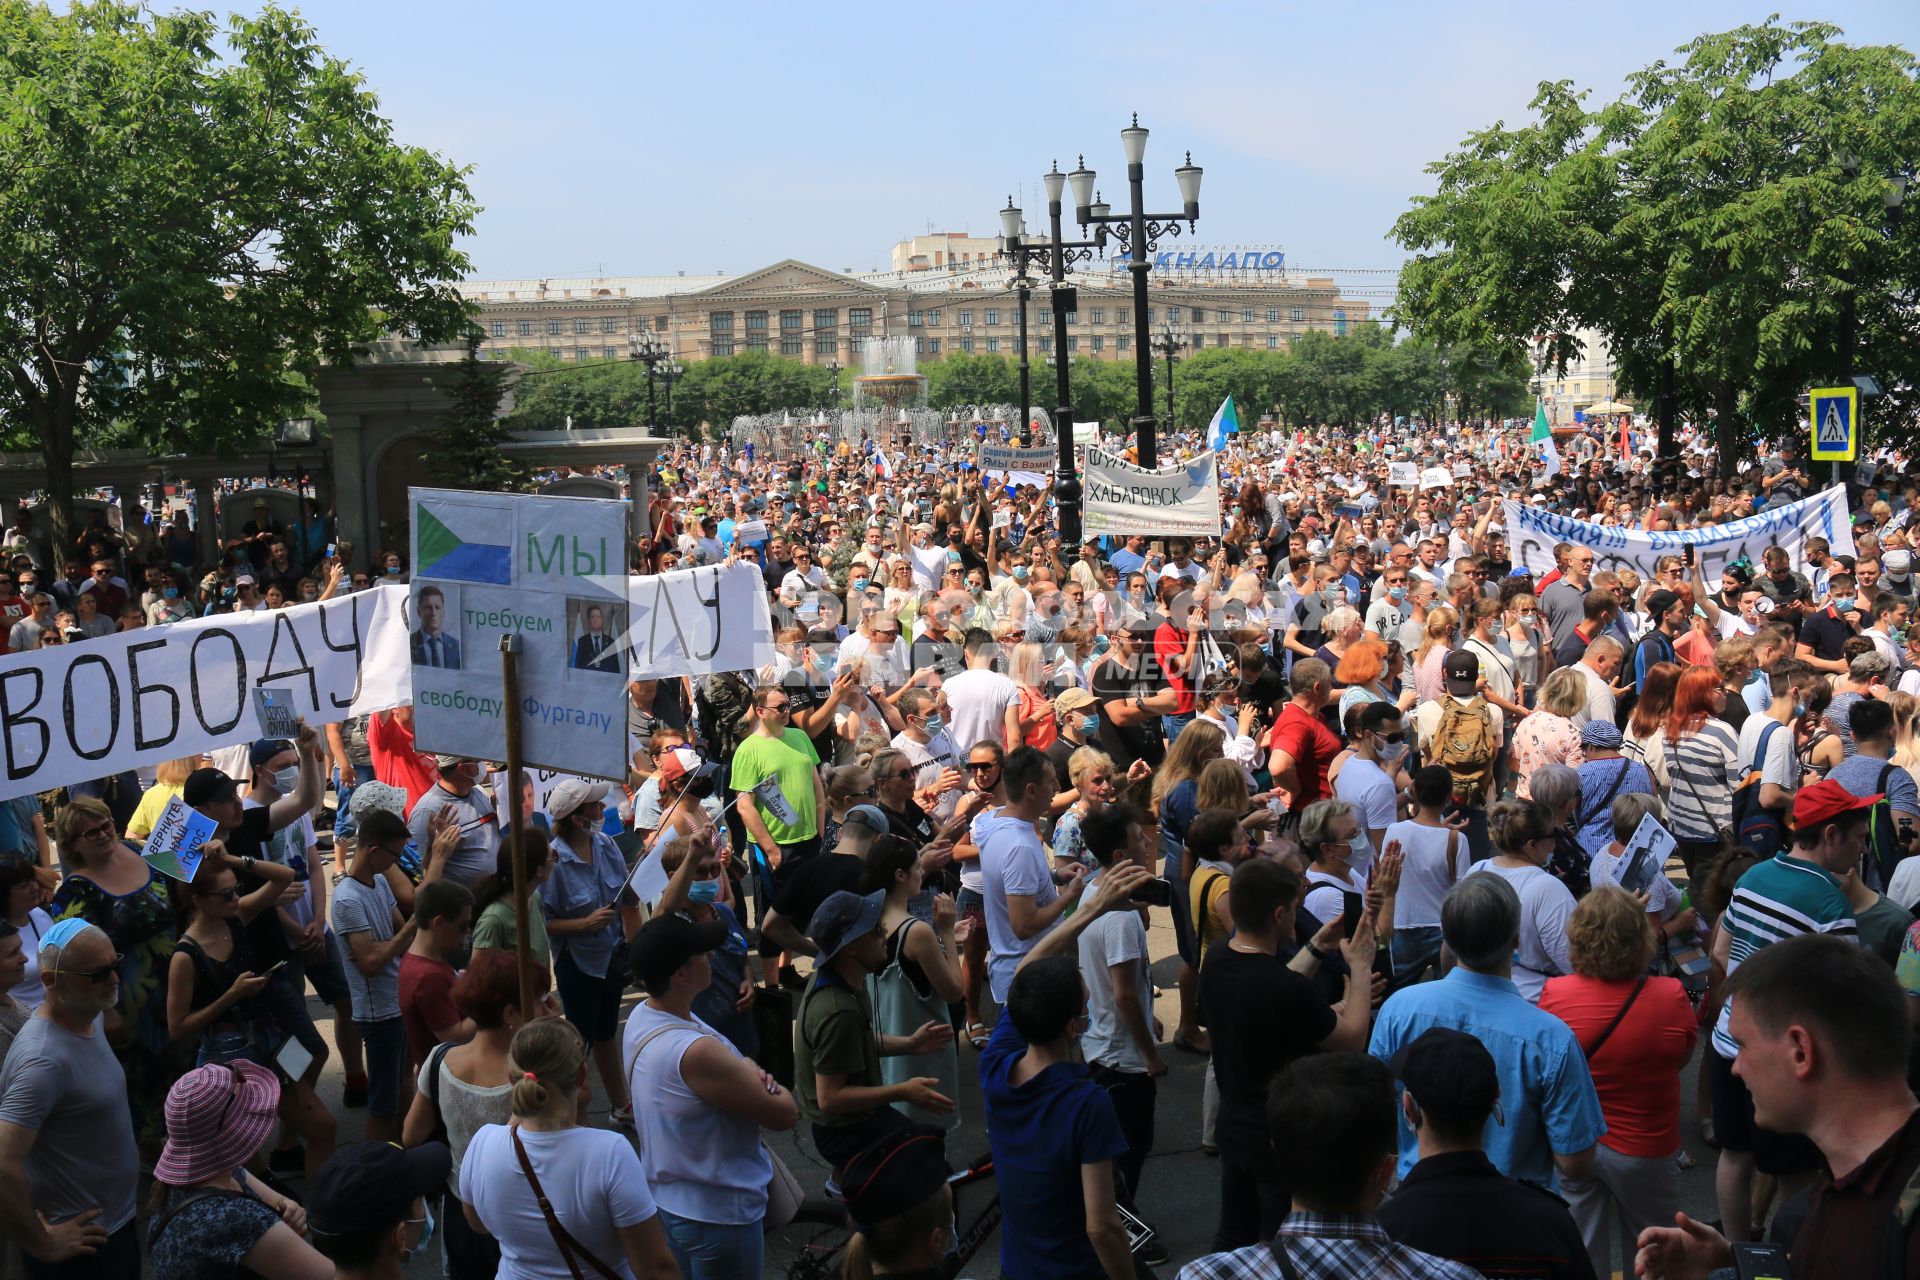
(1172, 725)
(343, 795)
(712, 1251)
(1414, 950)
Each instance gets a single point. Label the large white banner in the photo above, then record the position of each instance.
(548, 570)
(1182, 499)
(80, 711)
(693, 622)
(1532, 533)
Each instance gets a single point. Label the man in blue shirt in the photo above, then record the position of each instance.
(1054, 1131)
(1550, 1115)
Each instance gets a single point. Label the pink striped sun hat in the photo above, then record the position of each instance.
(217, 1117)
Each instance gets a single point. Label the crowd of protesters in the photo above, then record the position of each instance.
(1391, 789)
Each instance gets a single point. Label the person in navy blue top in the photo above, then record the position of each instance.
(1053, 1130)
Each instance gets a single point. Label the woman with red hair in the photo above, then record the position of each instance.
(1703, 764)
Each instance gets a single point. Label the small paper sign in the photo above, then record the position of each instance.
(1405, 474)
(1645, 856)
(175, 845)
(278, 719)
(1436, 478)
(748, 532)
(774, 800)
(1003, 519)
(649, 879)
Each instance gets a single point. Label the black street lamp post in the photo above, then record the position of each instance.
(1056, 256)
(649, 350)
(1167, 344)
(1137, 232)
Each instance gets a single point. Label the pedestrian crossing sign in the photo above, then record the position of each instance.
(1834, 413)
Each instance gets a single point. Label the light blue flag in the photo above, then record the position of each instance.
(1225, 422)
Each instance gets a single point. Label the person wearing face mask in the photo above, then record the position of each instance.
(1371, 778)
(930, 749)
(455, 792)
(442, 945)
(367, 1210)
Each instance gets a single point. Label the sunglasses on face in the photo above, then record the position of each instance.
(982, 766)
(96, 976)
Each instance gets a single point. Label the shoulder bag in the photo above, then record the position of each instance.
(784, 1192)
(1618, 1018)
(571, 1250)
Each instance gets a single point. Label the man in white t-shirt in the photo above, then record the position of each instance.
(1365, 783)
(1022, 899)
(979, 696)
(1598, 667)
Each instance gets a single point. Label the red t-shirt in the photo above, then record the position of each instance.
(1637, 1071)
(425, 1001)
(395, 762)
(1312, 745)
(13, 609)
(1171, 643)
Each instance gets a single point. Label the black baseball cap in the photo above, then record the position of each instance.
(1450, 1074)
(895, 1174)
(207, 784)
(371, 1186)
(1659, 602)
(668, 941)
(1462, 668)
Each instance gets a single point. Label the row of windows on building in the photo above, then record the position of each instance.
(932, 346)
(860, 320)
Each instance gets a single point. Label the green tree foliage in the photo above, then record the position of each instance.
(192, 217)
(469, 455)
(962, 379)
(710, 394)
(1710, 224)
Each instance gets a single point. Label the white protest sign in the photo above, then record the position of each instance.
(73, 712)
(175, 846)
(549, 570)
(1403, 474)
(693, 622)
(1183, 499)
(1533, 531)
(1003, 518)
(1436, 478)
(1013, 457)
(278, 719)
(1086, 433)
(1645, 856)
(774, 800)
(748, 532)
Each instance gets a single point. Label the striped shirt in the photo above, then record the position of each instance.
(1776, 900)
(1702, 767)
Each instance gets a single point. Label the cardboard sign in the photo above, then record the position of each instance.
(278, 719)
(176, 845)
(1436, 478)
(1403, 474)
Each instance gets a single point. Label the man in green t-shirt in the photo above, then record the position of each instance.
(837, 1053)
(776, 774)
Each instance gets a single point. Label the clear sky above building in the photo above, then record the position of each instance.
(625, 138)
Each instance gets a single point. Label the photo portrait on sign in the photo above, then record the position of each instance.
(436, 640)
(594, 630)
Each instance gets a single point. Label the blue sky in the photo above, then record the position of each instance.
(652, 138)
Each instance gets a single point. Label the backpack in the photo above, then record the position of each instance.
(1757, 828)
(1466, 746)
(721, 701)
(1883, 842)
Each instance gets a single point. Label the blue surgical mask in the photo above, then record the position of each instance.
(859, 584)
(935, 724)
(1396, 594)
(1101, 644)
(824, 663)
(1090, 723)
(705, 892)
(1019, 573)
(1799, 709)
(286, 781)
(170, 593)
(393, 571)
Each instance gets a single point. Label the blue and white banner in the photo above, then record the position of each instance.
(1182, 500)
(1533, 531)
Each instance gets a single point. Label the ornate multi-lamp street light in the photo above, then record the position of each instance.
(649, 350)
(1056, 255)
(1137, 231)
(1167, 344)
